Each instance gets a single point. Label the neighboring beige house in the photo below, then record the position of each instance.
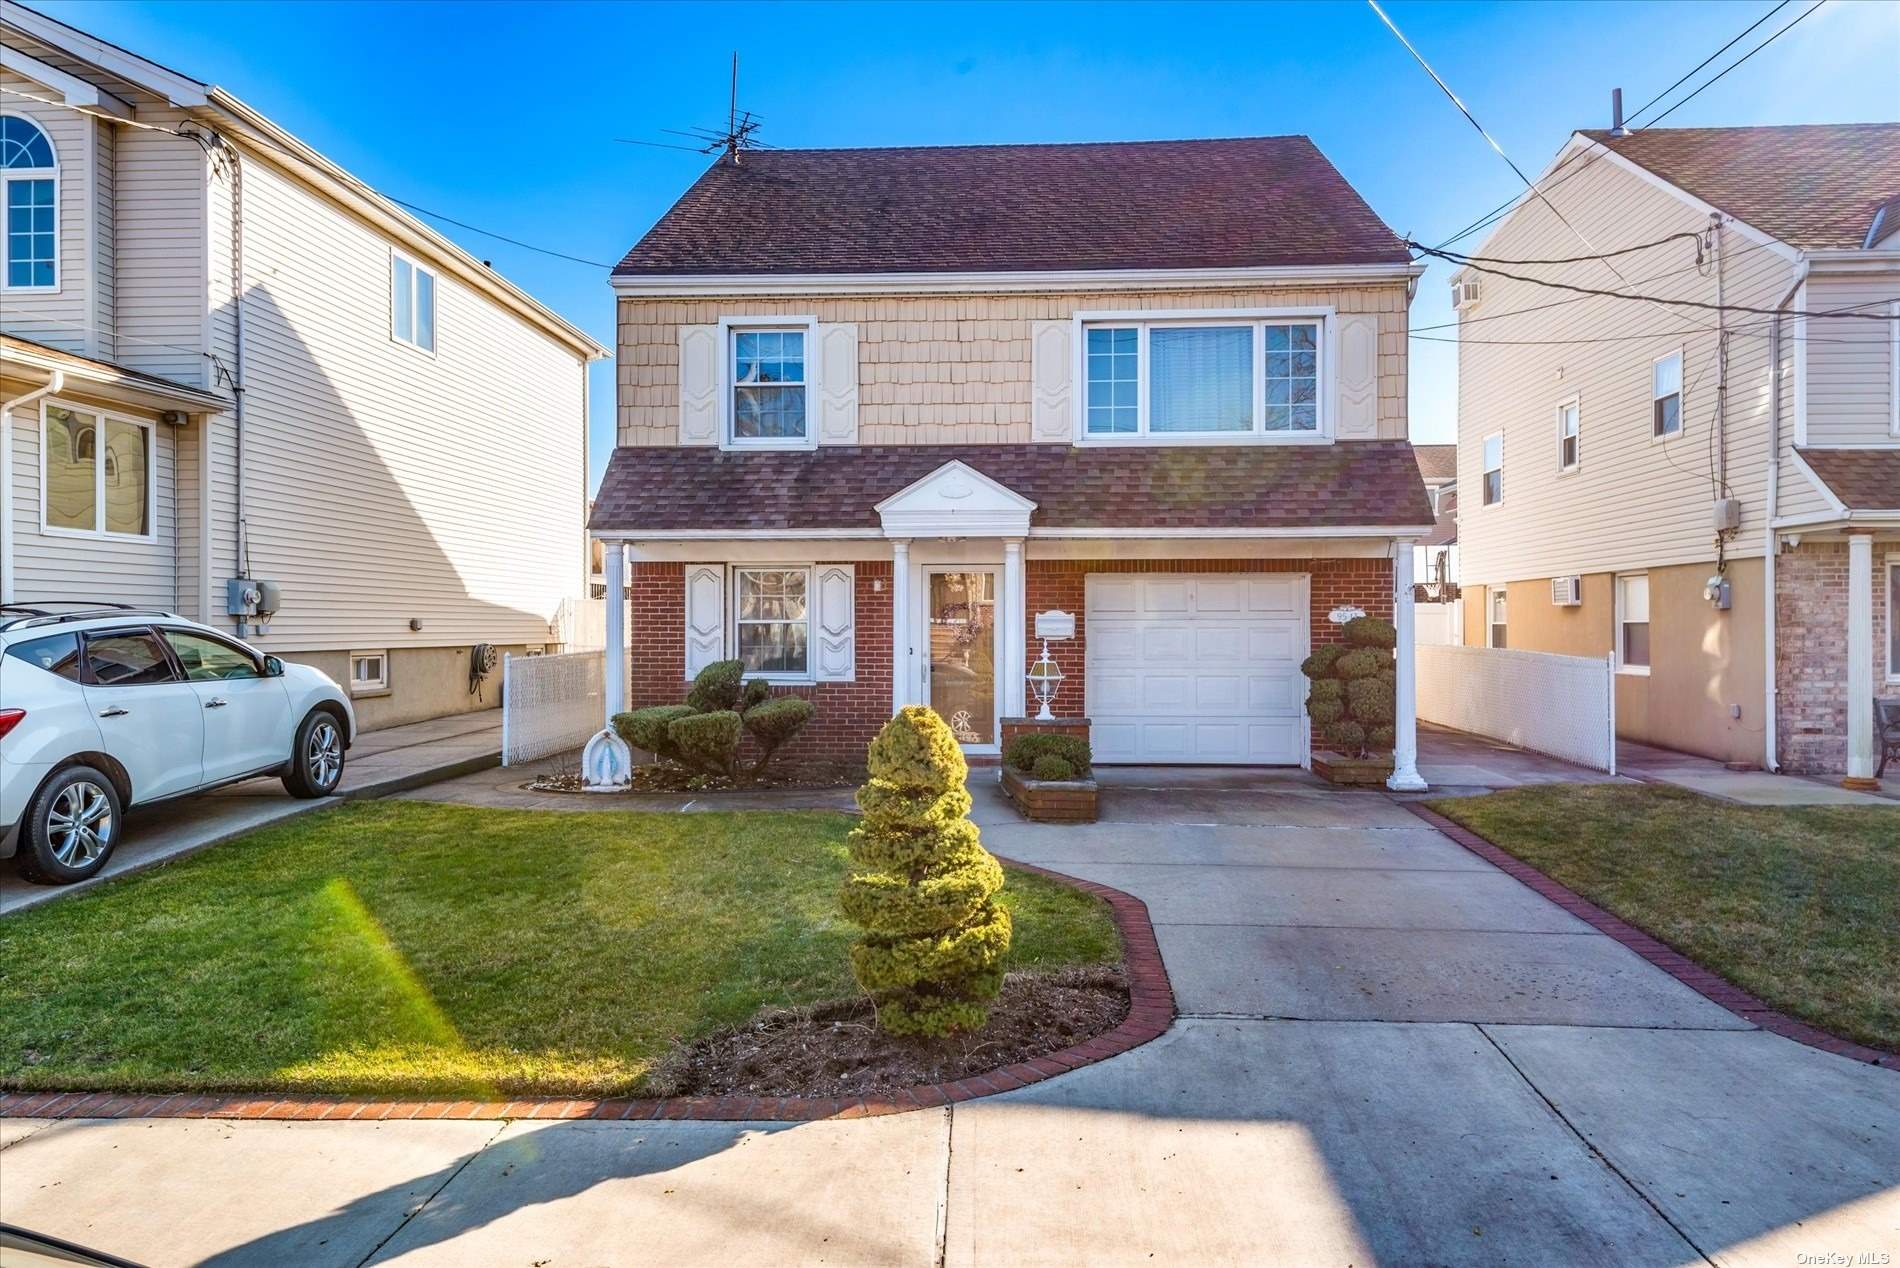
(1726, 526)
(882, 409)
(406, 458)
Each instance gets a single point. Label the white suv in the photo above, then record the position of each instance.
(103, 708)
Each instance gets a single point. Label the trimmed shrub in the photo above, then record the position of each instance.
(709, 741)
(1025, 750)
(1320, 664)
(1381, 738)
(717, 687)
(1328, 689)
(1370, 631)
(646, 729)
(755, 693)
(1373, 700)
(1323, 711)
(924, 890)
(1361, 662)
(775, 723)
(1347, 737)
(1049, 766)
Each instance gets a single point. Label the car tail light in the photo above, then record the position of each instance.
(10, 718)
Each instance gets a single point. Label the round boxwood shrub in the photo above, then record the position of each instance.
(1325, 712)
(1381, 738)
(1328, 689)
(774, 723)
(1320, 664)
(1025, 750)
(1361, 662)
(1373, 700)
(1049, 766)
(1370, 631)
(646, 729)
(924, 893)
(1353, 694)
(717, 688)
(1347, 737)
(709, 741)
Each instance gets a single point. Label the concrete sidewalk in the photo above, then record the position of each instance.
(379, 764)
(1389, 1052)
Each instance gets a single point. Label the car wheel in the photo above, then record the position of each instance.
(71, 827)
(316, 759)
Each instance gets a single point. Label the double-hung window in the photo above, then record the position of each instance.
(1497, 617)
(29, 205)
(1494, 468)
(1666, 396)
(411, 303)
(769, 387)
(1569, 434)
(1632, 623)
(772, 621)
(96, 473)
(1893, 618)
(1211, 378)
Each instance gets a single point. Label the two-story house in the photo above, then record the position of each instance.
(223, 359)
(880, 409)
(1703, 484)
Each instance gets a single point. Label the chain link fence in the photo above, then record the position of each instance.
(1564, 706)
(550, 704)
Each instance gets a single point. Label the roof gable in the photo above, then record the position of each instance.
(1252, 202)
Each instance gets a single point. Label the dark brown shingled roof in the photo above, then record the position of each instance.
(1814, 186)
(1437, 462)
(832, 487)
(1005, 208)
(1863, 479)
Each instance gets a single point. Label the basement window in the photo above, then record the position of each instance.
(369, 673)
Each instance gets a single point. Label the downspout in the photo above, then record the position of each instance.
(1771, 759)
(50, 388)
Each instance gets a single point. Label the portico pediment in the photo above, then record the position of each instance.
(955, 500)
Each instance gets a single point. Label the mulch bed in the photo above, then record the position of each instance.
(667, 778)
(836, 1049)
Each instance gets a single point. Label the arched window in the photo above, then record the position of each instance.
(29, 203)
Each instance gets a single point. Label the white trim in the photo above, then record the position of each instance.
(1891, 572)
(1484, 501)
(1801, 362)
(806, 324)
(1143, 320)
(667, 285)
(416, 267)
(101, 418)
(809, 675)
(1006, 516)
(1573, 401)
(7, 177)
(1835, 505)
(71, 89)
(1893, 366)
(921, 572)
(1680, 353)
(1617, 622)
(175, 88)
(1398, 531)
(369, 686)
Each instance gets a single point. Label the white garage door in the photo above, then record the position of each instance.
(1197, 668)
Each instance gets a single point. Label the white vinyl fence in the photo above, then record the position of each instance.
(550, 704)
(1438, 624)
(1561, 705)
(582, 624)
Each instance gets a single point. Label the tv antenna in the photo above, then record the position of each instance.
(737, 137)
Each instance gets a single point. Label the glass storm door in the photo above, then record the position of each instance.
(960, 613)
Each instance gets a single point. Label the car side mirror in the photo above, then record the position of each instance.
(273, 668)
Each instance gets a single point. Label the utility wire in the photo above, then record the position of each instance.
(1586, 259)
(1799, 18)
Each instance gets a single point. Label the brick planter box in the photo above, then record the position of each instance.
(1336, 768)
(1050, 800)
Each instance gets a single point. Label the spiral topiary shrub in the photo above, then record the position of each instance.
(1353, 695)
(924, 887)
(1051, 767)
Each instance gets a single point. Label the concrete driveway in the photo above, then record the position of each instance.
(1388, 1052)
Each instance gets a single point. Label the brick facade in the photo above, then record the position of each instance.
(1811, 653)
(849, 713)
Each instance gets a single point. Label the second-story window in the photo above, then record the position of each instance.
(1213, 379)
(29, 205)
(1569, 438)
(411, 303)
(768, 387)
(1494, 468)
(1666, 395)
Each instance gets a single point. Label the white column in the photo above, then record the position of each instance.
(614, 574)
(1860, 660)
(1015, 630)
(6, 503)
(1405, 776)
(900, 625)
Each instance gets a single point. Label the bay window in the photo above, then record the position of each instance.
(1209, 377)
(96, 473)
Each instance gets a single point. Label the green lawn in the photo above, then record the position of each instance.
(401, 947)
(1799, 905)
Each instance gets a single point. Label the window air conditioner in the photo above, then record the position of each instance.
(1464, 294)
(1566, 592)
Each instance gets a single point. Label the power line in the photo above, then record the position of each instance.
(1634, 114)
(1586, 259)
(1805, 14)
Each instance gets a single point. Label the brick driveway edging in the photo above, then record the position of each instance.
(1710, 986)
(1150, 1012)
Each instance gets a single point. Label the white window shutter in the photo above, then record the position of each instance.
(837, 383)
(699, 385)
(705, 616)
(1051, 375)
(1357, 377)
(837, 593)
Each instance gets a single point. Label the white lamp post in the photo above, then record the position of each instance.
(1045, 677)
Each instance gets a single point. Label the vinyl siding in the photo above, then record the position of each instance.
(1850, 361)
(113, 570)
(159, 262)
(104, 319)
(953, 369)
(383, 484)
(58, 318)
(1634, 502)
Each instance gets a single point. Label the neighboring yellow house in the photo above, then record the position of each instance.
(407, 463)
(1638, 478)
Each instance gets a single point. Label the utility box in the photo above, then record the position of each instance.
(1728, 514)
(240, 597)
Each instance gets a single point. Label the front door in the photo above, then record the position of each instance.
(960, 658)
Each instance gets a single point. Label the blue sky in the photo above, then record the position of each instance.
(505, 115)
